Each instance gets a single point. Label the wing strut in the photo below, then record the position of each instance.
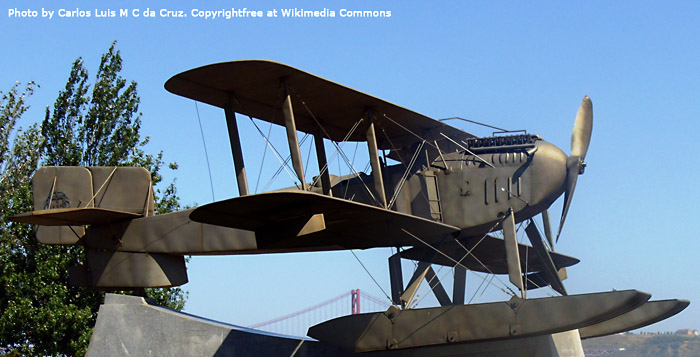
(512, 256)
(374, 159)
(396, 278)
(290, 124)
(236, 150)
(322, 164)
(459, 284)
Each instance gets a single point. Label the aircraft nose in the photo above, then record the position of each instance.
(548, 174)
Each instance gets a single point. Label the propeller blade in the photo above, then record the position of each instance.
(583, 126)
(550, 270)
(573, 165)
(548, 228)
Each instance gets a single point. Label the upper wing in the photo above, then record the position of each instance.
(293, 220)
(255, 88)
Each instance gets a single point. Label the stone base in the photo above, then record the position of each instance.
(130, 326)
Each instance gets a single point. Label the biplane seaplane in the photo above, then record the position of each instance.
(439, 204)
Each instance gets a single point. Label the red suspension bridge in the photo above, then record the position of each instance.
(297, 323)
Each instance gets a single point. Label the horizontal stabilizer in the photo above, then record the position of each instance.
(488, 256)
(647, 314)
(72, 216)
(278, 218)
(125, 270)
(475, 322)
(253, 87)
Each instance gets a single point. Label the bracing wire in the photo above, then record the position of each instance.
(452, 259)
(272, 147)
(308, 160)
(484, 265)
(468, 253)
(408, 168)
(274, 151)
(407, 172)
(284, 164)
(257, 182)
(206, 153)
(370, 275)
(340, 151)
(269, 131)
(475, 122)
(484, 290)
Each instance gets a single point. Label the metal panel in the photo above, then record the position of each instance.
(433, 192)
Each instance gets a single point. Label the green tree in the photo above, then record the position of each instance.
(40, 312)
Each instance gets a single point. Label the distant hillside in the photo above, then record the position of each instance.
(643, 345)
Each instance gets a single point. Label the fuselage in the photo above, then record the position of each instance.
(472, 189)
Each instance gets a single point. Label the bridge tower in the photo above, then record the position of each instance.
(355, 301)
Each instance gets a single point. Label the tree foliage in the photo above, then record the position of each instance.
(91, 125)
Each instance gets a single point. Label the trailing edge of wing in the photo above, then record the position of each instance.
(254, 87)
(72, 216)
(279, 217)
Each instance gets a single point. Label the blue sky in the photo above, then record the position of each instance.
(517, 65)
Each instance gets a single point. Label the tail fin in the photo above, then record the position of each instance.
(68, 198)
